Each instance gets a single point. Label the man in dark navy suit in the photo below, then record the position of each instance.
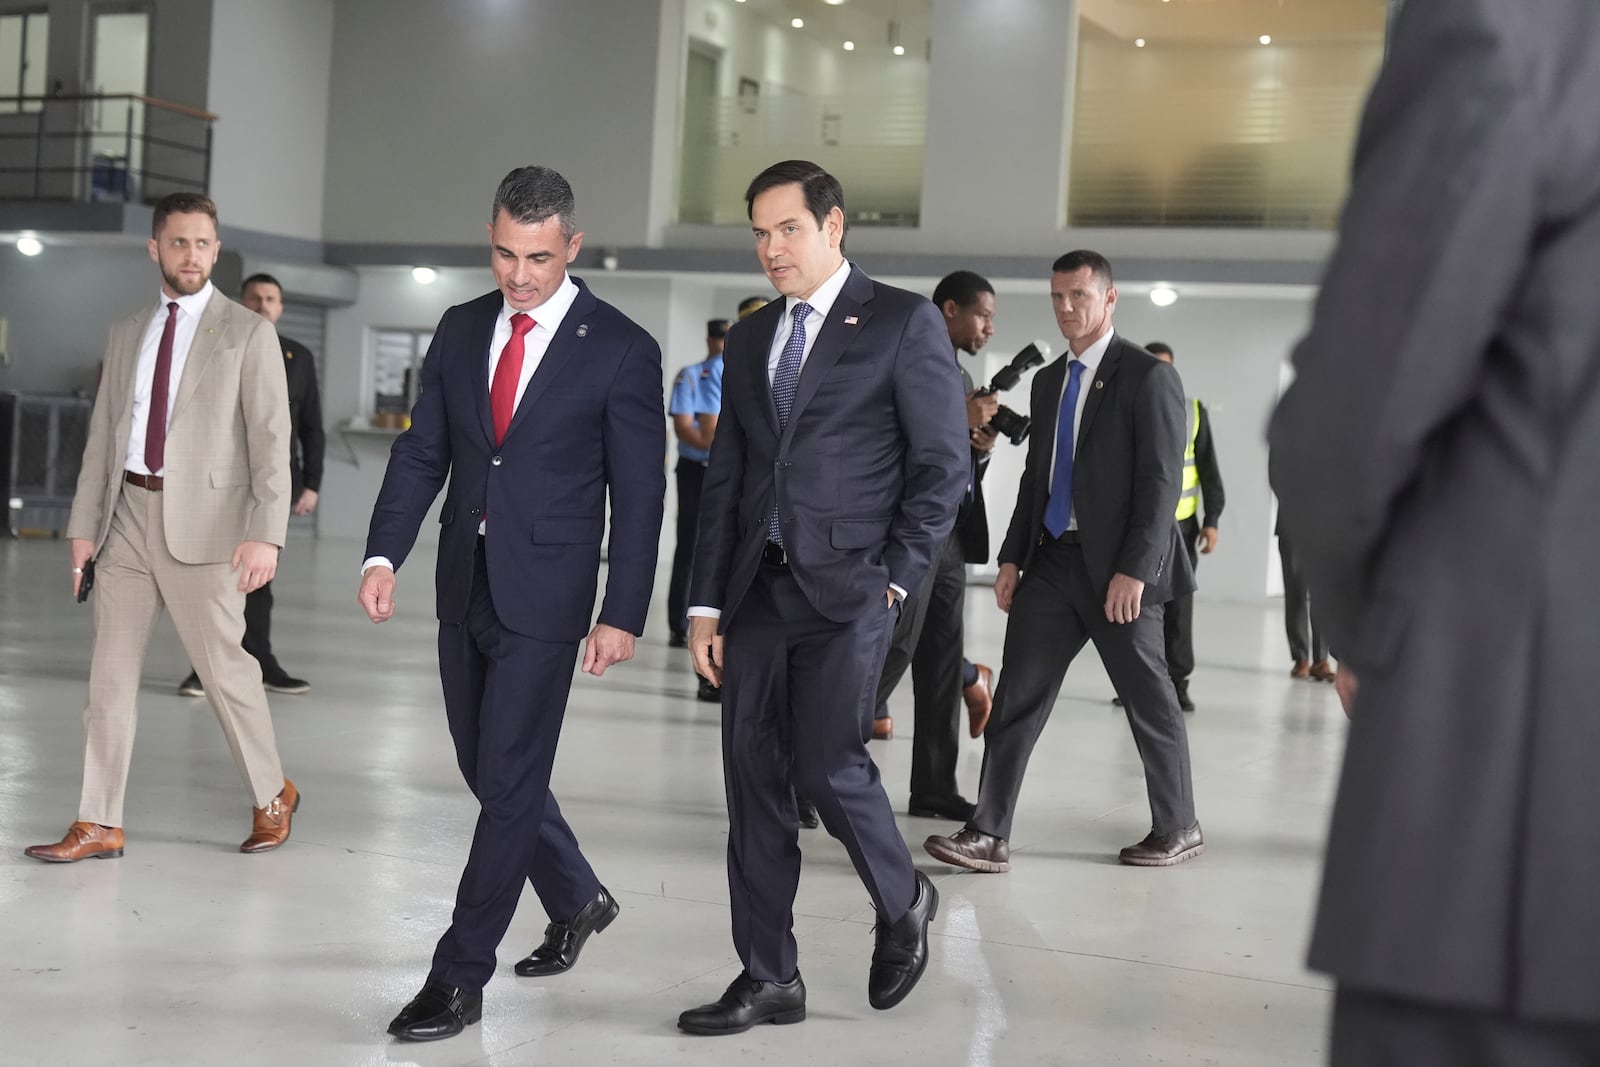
(840, 460)
(536, 400)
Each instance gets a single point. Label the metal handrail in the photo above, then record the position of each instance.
(85, 135)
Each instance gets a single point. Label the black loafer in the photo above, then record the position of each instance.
(563, 941)
(439, 1011)
(954, 807)
(901, 954)
(746, 1003)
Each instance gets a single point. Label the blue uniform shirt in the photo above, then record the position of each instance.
(697, 390)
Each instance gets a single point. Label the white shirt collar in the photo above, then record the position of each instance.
(827, 293)
(1096, 352)
(548, 315)
(192, 305)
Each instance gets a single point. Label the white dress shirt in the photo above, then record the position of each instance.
(821, 302)
(547, 319)
(189, 311)
(1091, 365)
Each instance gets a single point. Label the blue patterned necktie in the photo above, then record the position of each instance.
(785, 383)
(1058, 513)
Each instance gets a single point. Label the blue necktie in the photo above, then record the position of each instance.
(785, 383)
(1058, 513)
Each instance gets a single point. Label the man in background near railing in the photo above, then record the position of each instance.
(263, 294)
(182, 503)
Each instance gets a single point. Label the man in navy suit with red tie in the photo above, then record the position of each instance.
(536, 400)
(840, 460)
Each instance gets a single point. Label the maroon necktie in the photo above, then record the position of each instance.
(155, 427)
(507, 373)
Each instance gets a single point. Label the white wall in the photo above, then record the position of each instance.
(431, 105)
(269, 78)
(57, 330)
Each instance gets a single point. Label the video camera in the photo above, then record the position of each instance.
(1007, 422)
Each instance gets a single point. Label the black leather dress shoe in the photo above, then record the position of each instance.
(900, 954)
(1165, 850)
(954, 807)
(563, 941)
(439, 1011)
(708, 693)
(746, 1003)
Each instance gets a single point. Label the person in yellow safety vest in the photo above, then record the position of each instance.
(1202, 484)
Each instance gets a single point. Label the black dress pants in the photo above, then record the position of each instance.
(1372, 1030)
(1179, 627)
(691, 478)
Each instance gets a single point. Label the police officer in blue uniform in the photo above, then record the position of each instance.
(695, 402)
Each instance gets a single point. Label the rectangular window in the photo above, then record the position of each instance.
(24, 44)
(396, 372)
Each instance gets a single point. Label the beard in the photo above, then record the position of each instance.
(184, 286)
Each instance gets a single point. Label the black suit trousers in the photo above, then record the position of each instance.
(1371, 1030)
(928, 640)
(1179, 627)
(1054, 613)
(505, 696)
(797, 693)
(691, 477)
(1306, 641)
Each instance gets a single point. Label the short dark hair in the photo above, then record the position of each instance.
(529, 195)
(750, 305)
(1160, 348)
(962, 286)
(181, 204)
(1099, 265)
(716, 328)
(822, 190)
(260, 279)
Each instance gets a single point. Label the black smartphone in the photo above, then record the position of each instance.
(87, 582)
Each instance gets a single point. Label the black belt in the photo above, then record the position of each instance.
(775, 555)
(152, 482)
(1069, 537)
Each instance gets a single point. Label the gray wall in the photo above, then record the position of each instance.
(269, 75)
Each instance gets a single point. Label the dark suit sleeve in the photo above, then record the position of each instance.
(1205, 459)
(1023, 530)
(718, 530)
(933, 421)
(1158, 446)
(419, 461)
(1442, 203)
(313, 441)
(638, 484)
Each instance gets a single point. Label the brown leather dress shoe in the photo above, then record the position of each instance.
(883, 729)
(1301, 669)
(83, 840)
(1165, 850)
(979, 698)
(1322, 671)
(972, 849)
(271, 827)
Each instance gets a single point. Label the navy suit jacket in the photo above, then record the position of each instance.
(590, 420)
(1127, 472)
(869, 472)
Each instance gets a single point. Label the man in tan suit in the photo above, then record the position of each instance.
(182, 502)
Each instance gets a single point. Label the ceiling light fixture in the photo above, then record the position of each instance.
(424, 275)
(797, 23)
(1163, 296)
(849, 46)
(1265, 38)
(899, 49)
(29, 245)
(1138, 42)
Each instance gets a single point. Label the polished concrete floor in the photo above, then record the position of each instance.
(186, 952)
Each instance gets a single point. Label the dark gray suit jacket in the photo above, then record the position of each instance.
(1438, 464)
(1127, 472)
(867, 474)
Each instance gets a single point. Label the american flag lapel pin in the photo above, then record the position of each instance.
(850, 320)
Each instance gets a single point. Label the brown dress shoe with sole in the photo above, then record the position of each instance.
(271, 827)
(1301, 669)
(1165, 850)
(1322, 671)
(972, 849)
(883, 729)
(979, 698)
(83, 841)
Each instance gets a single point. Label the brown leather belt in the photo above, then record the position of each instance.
(151, 482)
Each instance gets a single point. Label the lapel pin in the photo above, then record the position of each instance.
(583, 330)
(1099, 385)
(287, 354)
(850, 320)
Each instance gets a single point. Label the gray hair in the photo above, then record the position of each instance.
(529, 195)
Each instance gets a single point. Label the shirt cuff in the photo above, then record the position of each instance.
(375, 561)
(701, 611)
(899, 593)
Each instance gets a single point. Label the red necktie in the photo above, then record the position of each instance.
(155, 427)
(507, 373)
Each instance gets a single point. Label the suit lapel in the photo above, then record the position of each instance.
(568, 340)
(478, 342)
(764, 329)
(834, 337)
(208, 337)
(1097, 388)
(1052, 379)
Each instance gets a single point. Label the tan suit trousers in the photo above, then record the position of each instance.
(135, 576)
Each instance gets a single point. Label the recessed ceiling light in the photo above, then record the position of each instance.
(798, 24)
(849, 46)
(1265, 38)
(424, 275)
(1163, 296)
(833, 3)
(29, 246)
(899, 49)
(1138, 42)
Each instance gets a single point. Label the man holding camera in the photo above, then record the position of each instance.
(1092, 554)
(928, 636)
